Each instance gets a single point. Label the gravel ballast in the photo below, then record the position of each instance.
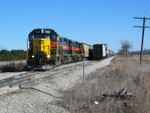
(40, 96)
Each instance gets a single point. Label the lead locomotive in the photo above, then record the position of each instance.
(47, 47)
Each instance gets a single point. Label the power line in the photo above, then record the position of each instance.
(140, 18)
(142, 26)
(144, 19)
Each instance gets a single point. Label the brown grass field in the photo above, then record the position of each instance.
(104, 86)
(13, 67)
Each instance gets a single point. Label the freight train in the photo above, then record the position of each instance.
(45, 46)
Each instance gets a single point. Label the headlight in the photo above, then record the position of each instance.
(48, 56)
(32, 56)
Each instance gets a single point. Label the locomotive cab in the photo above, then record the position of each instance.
(41, 42)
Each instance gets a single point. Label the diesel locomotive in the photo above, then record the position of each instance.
(45, 46)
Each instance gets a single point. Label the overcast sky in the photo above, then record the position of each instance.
(88, 21)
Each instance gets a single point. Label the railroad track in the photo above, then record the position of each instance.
(13, 83)
(16, 82)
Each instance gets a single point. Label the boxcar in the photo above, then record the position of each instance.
(99, 51)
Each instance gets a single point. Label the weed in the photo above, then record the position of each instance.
(123, 73)
(12, 67)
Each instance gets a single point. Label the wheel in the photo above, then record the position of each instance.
(40, 61)
(58, 61)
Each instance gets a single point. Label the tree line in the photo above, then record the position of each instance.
(126, 46)
(145, 52)
(6, 55)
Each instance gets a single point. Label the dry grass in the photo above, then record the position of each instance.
(12, 67)
(123, 73)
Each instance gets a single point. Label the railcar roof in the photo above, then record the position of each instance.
(44, 29)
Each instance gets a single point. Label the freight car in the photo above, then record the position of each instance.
(87, 51)
(47, 47)
(110, 53)
(100, 51)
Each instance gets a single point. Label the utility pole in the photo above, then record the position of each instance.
(126, 51)
(83, 75)
(142, 42)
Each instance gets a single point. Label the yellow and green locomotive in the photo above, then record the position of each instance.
(47, 47)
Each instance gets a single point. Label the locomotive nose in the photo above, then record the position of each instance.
(41, 47)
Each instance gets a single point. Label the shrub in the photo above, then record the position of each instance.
(6, 55)
(12, 67)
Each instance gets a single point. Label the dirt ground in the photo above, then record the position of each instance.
(41, 95)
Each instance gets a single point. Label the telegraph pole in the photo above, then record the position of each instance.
(83, 75)
(142, 42)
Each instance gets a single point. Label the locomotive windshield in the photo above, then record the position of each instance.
(41, 36)
(43, 33)
(31, 37)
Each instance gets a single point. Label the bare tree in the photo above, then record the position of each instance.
(125, 47)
